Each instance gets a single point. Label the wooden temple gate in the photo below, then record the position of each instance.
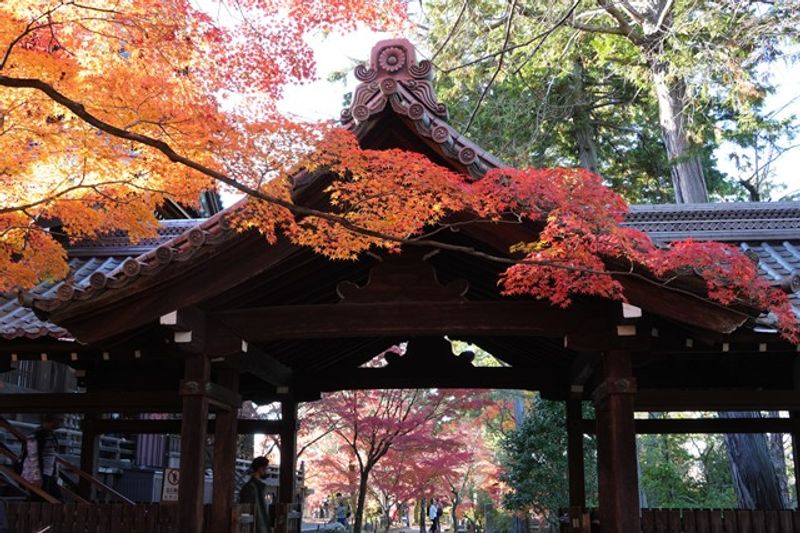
(210, 317)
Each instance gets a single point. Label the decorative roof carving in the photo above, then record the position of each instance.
(395, 78)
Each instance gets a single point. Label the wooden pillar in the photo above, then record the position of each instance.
(578, 518)
(224, 457)
(616, 446)
(193, 443)
(288, 470)
(795, 417)
(90, 445)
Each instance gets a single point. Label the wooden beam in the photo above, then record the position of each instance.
(90, 447)
(194, 420)
(265, 367)
(616, 446)
(684, 426)
(224, 459)
(244, 426)
(210, 272)
(455, 377)
(717, 400)
(91, 402)
(407, 318)
(287, 475)
(575, 467)
(216, 394)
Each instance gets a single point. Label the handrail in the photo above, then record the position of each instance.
(8, 472)
(69, 488)
(5, 424)
(94, 481)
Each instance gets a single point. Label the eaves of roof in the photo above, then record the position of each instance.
(771, 230)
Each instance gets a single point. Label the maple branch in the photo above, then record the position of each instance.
(80, 110)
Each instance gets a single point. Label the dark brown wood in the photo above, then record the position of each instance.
(90, 441)
(224, 458)
(193, 444)
(717, 400)
(674, 520)
(454, 377)
(576, 473)
(288, 466)
(125, 309)
(666, 426)
(245, 426)
(406, 318)
(784, 521)
(689, 521)
(264, 366)
(715, 521)
(661, 521)
(616, 446)
(648, 521)
(680, 306)
(91, 402)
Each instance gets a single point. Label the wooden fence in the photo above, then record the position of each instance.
(28, 517)
(719, 521)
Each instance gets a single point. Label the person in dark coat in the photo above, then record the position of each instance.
(254, 491)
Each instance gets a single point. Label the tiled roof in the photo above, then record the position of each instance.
(112, 262)
(107, 261)
(737, 222)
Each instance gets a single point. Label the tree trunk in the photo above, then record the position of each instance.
(453, 515)
(687, 169)
(582, 126)
(777, 453)
(358, 514)
(423, 513)
(753, 474)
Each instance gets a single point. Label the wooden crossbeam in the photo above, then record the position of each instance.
(92, 402)
(406, 318)
(717, 400)
(683, 426)
(245, 426)
(454, 377)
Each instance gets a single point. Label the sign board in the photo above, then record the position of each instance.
(169, 488)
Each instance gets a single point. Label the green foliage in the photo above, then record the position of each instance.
(534, 457)
(685, 471)
(562, 85)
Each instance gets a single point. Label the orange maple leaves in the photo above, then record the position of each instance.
(153, 76)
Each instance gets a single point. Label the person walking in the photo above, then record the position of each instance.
(39, 464)
(254, 492)
(433, 514)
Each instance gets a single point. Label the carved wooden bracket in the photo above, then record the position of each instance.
(403, 278)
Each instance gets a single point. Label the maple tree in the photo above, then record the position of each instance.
(373, 426)
(107, 108)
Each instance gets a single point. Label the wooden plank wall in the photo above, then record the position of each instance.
(29, 517)
(719, 521)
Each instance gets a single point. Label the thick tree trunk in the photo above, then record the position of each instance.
(777, 453)
(687, 169)
(582, 126)
(423, 513)
(753, 474)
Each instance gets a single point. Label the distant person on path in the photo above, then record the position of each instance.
(341, 510)
(39, 464)
(254, 492)
(433, 514)
(439, 513)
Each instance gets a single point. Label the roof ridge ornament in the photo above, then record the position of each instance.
(394, 76)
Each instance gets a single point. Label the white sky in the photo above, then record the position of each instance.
(322, 100)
